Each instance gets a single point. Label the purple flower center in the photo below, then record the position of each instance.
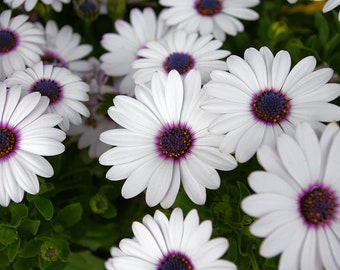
(208, 7)
(50, 58)
(48, 88)
(318, 205)
(175, 142)
(270, 106)
(8, 41)
(8, 142)
(175, 261)
(182, 62)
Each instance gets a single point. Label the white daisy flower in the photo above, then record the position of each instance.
(330, 5)
(217, 17)
(180, 51)
(63, 49)
(298, 199)
(260, 97)
(164, 141)
(29, 5)
(65, 90)
(26, 133)
(144, 26)
(20, 43)
(175, 243)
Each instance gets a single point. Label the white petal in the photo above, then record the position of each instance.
(294, 160)
(309, 144)
(280, 239)
(159, 183)
(250, 142)
(139, 179)
(270, 222)
(258, 205)
(266, 182)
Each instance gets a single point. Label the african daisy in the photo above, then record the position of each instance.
(217, 17)
(122, 46)
(176, 243)
(180, 51)
(260, 97)
(20, 43)
(65, 90)
(164, 141)
(63, 49)
(297, 199)
(26, 133)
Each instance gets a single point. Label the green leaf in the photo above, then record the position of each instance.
(323, 28)
(8, 234)
(84, 260)
(18, 212)
(31, 248)
(44, 206)
(30, 225)
(12, 250)
(70, 215)
(116, 8)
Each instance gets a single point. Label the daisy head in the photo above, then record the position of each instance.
(26, 134)
(63, 49)
(297, 200)
(175, 243)
(164, 141)
(260, 97)
(30, 4)
(182, 52)
(122, 46)
(217, 17)
(66, 92)
(20, 43)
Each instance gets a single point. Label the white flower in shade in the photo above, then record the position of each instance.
(175, 243)
(63, 49)
(29, 5)
(260, 97)
(330, 5)
(20, 43)
(217, 17)
(97, 123)
(65, 90)
(297, 199)
(26, 133)
(180, 51)
(90, 131)
(164, 141)
(144, 26)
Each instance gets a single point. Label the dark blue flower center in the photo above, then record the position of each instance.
(175, 142)
(8, 41)
(208, 7)
(50, 58)
(88, 7)
(182, 62)
(318, 206)
(175, 261)
(270, 106)
(48, 88)
(8, 141)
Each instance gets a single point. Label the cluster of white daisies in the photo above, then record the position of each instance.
(185, 108)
